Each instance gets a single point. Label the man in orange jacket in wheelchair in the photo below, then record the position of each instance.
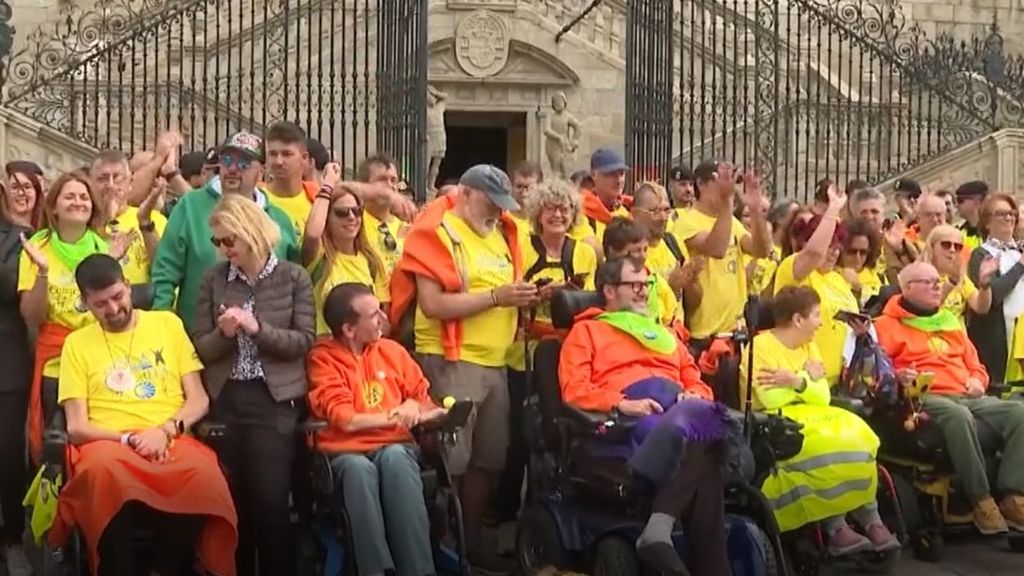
(130, 388)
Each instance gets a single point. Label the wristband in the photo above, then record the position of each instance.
(148, 226)
(494, 297)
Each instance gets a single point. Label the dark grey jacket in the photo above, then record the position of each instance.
(15, 351)
(988, 331)
(286, 313)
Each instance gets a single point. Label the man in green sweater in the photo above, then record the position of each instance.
(185, 250)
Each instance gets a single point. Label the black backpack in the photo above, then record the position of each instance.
(542, 263)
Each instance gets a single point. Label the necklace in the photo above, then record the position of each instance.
(119, 377)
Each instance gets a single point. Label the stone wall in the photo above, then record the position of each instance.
(965, 18)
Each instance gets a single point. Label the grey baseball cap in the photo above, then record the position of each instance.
(492, 181)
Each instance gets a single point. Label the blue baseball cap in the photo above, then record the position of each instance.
(606, 160)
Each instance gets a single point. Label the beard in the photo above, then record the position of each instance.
(118, 322)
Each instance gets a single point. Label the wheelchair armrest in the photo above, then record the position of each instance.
(450, 423)
(206, 429)
(314, 426)
(999, 389)
(595, 423)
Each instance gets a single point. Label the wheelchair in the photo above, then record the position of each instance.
(331, 527)
(588, 518)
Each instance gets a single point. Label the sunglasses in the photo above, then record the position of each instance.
(354, 212)
(228, 161)
(950, 245)
(227, 242)
(389, 240)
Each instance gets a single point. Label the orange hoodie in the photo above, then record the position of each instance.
(593, 379)
(594, 208)
(343, 385)
(950, 355)
(426, 255)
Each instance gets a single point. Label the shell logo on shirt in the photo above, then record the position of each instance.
(373, 393)
(938, 345)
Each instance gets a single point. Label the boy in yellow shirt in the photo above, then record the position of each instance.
(286, 159)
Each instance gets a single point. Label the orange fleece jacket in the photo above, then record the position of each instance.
(342, 385)
(950, 355)
(598, 362)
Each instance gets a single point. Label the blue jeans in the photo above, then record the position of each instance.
(383, 496)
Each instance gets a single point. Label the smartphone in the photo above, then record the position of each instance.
(542, 282)
(850, 317)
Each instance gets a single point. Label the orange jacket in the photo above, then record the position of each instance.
(426, 255)
(950, 355)
(598, 362)
(594, 208)
(103, 476)
(343, 385)
(49, 344)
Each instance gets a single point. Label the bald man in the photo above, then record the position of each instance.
(930, 213)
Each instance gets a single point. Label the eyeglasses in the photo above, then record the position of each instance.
(20, 189)
(950, 245)
(345, 212)
(638, 286)
(1004, 215)
(561, 209)
(857, 252)
(229, 161)
(931, 282)
(389, 240)
(227, 241)
(657, 211)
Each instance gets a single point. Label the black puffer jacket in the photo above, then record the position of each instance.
(15, 352)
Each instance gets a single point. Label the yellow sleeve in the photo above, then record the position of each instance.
(668, 304)
(74, 375)
(188, 360)
(687, 227)
(382, 286)
(27, 271)
(967, 288)
(584, 263)
(817, 392)
(784, 274)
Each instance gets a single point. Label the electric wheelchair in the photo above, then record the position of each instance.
(328, 524)
(580, 517)
(921, 471)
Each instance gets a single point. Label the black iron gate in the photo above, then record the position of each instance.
(116, 73)
(806, 89)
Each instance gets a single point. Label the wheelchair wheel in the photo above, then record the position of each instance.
(539, 543)
(926, 542)
(616, 556)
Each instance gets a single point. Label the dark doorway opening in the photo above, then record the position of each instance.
(497, 138)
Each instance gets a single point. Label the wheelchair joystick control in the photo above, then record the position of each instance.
(448, 402)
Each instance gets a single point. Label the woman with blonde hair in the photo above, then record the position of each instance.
(335, 249)
(254, 324)
(49, 298)
(942, 249)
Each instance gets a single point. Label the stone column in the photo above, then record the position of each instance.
(1008, 159)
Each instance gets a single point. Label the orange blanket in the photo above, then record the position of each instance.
(48, 346)
(594, 208)
(426, 255)
(104, 475)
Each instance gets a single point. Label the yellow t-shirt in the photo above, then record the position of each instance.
(771, 353)
(723, 280)
(157, 353)
(297, 208)
(957, 299)
(346, 268)
(135, 263)
(64, 301)
(375, 237)
(836, 296)
(679, 213)
(762, 274)
(585, 229)
(486, 263)
(870, 284)
(584, 265)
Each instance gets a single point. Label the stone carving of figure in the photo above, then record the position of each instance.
(437, 138)
(562, 137)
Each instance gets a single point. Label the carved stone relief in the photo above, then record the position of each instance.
(482, 44)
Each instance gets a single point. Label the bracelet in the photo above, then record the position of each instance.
(148, 226)
(494, 297)
(126, 439)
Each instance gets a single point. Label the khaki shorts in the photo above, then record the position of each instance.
(480, 446)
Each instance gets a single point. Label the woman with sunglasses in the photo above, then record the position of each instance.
(336, 251)
(942, 249)
(859, 260)
(814, 265)
(254, 323)
(997, 334)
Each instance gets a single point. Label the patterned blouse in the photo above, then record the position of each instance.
(248, 365)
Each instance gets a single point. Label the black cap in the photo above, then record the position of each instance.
(681, 174)
(972, 189)
(907, 187)
(705, 170)
(191, 164)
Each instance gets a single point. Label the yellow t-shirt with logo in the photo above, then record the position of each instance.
(723, 280)
(346, 268)
(584, 265)
(157, 353)
(870, 284)
(135, 262)
(376, 232)
(761, 275)
(297, 208)
(64, 301)
(957, 299)
(836, 295)
(486, 263)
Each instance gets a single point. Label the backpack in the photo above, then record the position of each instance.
(673, 246)
(542, 263)
(870, 374)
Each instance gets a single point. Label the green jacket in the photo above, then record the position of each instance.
(185, 250)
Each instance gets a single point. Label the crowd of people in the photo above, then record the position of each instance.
(255, 286)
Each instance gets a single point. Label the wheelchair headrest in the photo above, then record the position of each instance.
(765, 318)
(568, 303)
(876, 304)
(142, 296)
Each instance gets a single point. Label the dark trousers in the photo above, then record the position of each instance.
(258, 452)
(176, 536)
(13, 410)
(508, 497)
